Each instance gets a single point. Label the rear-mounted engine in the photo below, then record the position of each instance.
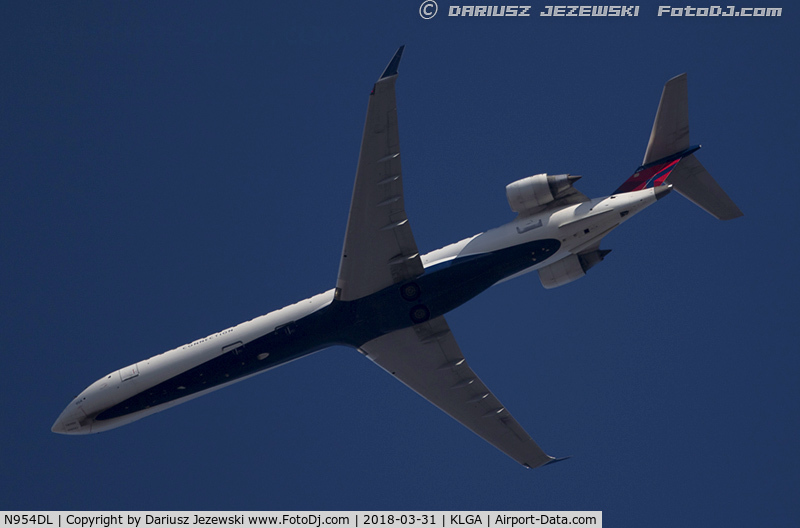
(570, 268)
(537, 190)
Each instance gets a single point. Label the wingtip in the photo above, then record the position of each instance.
(391, 69)
(553, 461)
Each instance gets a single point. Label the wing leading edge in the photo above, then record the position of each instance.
(379, 249)
(427, 359)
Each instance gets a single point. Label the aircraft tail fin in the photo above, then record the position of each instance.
(670, 133)
(669, 158)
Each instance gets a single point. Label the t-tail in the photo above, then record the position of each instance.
(670, 158)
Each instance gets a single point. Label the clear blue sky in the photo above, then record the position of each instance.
(170, 169)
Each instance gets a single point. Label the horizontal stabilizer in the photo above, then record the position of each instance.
(694, 182)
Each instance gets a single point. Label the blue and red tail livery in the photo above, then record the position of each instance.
(655, 173)
(641, 179)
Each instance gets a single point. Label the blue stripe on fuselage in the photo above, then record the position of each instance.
(443, 288)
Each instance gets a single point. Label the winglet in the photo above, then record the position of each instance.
(551, 461)
(557, 460)
(391, 69)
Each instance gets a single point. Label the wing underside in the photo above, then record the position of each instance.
(427, 359)
(379, 248)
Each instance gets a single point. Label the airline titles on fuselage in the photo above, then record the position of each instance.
(209, 338)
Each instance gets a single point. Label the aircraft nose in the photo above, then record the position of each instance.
(72, 421)
(58, 427)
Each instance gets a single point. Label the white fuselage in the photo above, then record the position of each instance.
(102, 405)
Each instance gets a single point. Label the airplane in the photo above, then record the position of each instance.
(390, 302)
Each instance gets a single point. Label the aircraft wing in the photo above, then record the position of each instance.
(427, 359)
(379, 248)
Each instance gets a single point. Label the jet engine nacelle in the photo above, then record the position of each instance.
(537, 190)
(570, 268)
